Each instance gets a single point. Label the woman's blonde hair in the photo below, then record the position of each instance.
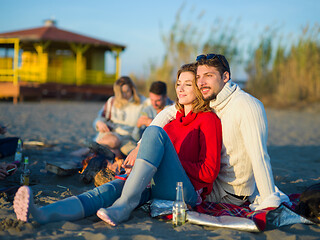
(198, 105)
(119, 101)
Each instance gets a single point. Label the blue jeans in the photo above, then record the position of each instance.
(104, 196)
(157, 149)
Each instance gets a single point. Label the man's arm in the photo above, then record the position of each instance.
(254, 129)
(165, 116)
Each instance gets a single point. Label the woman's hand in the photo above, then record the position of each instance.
(102, 127)
(4, 168)
(131, 158)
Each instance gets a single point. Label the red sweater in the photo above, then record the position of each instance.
(197, 139)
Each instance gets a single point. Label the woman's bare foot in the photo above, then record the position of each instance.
(21, 203)
(102, 214)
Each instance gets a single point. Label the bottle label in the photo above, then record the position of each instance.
(18, 156)
(24, 180)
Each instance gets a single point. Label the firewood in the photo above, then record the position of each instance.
(94, 166)
(103, 176)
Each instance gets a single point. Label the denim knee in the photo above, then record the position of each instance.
(152, 146)
(153, 131)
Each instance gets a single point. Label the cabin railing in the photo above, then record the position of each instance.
(58, 75)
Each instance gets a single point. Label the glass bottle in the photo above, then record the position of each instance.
(18, 154)
(179, 207)
(25, 175)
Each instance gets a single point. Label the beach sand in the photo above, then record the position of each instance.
(294, 148)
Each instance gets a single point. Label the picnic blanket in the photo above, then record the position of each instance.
(240, 218)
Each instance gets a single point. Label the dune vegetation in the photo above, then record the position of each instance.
(281, 70)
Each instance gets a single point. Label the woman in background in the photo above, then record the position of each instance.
(118, 117)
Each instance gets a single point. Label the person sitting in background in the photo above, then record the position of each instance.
(8, 145)
(118, 117)
(159, 100)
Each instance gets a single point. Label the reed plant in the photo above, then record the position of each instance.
(187, 39)
(280, 70)
(286, 75)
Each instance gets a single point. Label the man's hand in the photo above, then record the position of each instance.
(102, 127)
(144, 120)
(131, 158)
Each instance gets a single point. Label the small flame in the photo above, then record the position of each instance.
(85, 163)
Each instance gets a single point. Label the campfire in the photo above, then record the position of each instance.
(85, 162)
(115, 166)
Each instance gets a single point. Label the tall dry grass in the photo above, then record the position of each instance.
(184, 41)
(286, 75)
(280, 71)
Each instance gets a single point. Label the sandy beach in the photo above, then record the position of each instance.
(293, 145)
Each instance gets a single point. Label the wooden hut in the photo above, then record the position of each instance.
(48, 60)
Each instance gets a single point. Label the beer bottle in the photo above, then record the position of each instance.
(25, 175)
(179, 207)
(18, 154)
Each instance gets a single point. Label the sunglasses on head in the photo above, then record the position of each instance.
(211, 56)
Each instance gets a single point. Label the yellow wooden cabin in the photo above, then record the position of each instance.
(47, 58)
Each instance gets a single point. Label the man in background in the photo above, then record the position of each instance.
(159, 100)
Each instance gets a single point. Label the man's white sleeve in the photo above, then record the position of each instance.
(165, 116)
(254, 131)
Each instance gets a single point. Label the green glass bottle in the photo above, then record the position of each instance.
(18, 154)
(25, 175)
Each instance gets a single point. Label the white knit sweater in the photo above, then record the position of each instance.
(245, 163)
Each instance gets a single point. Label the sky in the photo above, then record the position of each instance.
(139, 24)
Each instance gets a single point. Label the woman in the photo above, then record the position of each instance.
(187, 150)
(118, 117)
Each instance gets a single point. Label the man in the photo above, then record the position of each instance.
(245, 172)
(159, 100)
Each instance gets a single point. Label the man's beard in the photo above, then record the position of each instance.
(213, 96)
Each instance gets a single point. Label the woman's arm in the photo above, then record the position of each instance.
(99, 117)
(100, 123)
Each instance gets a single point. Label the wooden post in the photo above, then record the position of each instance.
(118, 63)
(79, 50)
(42, 62)
(15, 69)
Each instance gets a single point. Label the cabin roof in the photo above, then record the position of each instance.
(54, 34)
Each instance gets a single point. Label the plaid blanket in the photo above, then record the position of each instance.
(259, 217)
